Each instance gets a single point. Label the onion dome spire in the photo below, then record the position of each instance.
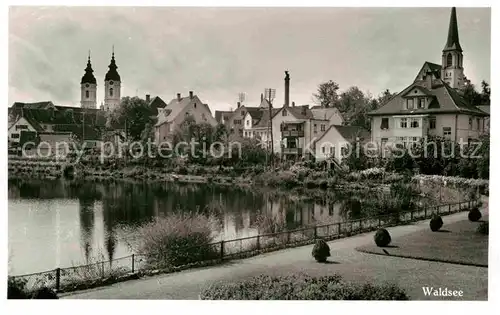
(112, 73)
(88, 77)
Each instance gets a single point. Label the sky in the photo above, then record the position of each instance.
(221, 52)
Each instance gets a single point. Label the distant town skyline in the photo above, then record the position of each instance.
(220, 52)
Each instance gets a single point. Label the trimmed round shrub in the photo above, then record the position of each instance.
(382, 238)
(475, 215)
(483, 228)
(436, 223)
(301, 287)
(321, 251)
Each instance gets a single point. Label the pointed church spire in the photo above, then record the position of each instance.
(452, 42)
(88, 77)
(112, 74)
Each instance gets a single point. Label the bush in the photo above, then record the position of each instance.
(16, 289)
(382, 238)
(483, 228)
(45, 293)
(321, 251)
(301, 287)
(436, 223)
(177, 239)
(475, 215)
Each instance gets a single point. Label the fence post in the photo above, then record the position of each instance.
(360, 225)
(339, 229)
(459, 206)
(221, 250)
(469, 205)
(258, 242)
(449, 208)
(102, 268)
(437, 210)
(58, 279)
(133, 260)
(411, 215)
(315, 232)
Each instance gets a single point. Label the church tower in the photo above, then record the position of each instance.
(112, 86)
(88, 88)
(452, 71)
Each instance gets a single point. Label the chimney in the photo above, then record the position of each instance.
(287, 89)
(239, 104)
(178, 97)
(148, 98)
(261, 97)
(293, 104)
(191, 94)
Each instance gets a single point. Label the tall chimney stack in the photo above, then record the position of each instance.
(287, 88)
(191, 94)
(261, 97)
(239, 104)
(178, 97)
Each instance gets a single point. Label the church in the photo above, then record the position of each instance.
(112, 87)
(433, 104)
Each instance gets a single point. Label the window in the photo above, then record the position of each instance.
(383, 142)
(449, 60)
(447, 132)
(343, 151)
(322, 127)
(414, 123)
(409, 103)
(470, 123)
(403, 123)
(332, 151)
(87, 94)
(243, 113)
(315, 128)
(284, 113)
(323, 149)
(194, 105)
(478, 121)
(111, 92)
(248, 122)
(21, 127)
(421, 103)
(237, 121)
(432, 122)
(402, 141)
(15, 136)
(385, 123)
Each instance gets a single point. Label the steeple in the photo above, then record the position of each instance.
(88, 77)
(112, 74)
(452, 42)
(452, 71)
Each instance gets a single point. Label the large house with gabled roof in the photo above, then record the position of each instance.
(433, 104)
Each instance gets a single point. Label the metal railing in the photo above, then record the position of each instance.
(81, 277)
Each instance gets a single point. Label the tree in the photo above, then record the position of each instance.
(354, 106)
(134, 114)
(327, 95)
(471, 95)
(485, 93)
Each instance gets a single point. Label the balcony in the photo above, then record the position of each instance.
(294, 151)
(292, 133)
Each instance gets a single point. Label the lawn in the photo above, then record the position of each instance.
(457, 243)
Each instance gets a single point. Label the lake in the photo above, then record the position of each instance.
(57, 223)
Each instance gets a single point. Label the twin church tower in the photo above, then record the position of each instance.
(112, 87)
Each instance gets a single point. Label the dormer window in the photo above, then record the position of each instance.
(421, 103)
(409, 103)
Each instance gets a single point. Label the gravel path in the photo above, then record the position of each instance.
(410, 274)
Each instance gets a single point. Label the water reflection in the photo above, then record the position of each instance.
(102, 212)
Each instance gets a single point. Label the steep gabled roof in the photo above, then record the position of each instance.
(35, 105)
(349, 133)
(445, 100)
(434, 68)
(264, 120)
(155, 103)
(222, 115)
